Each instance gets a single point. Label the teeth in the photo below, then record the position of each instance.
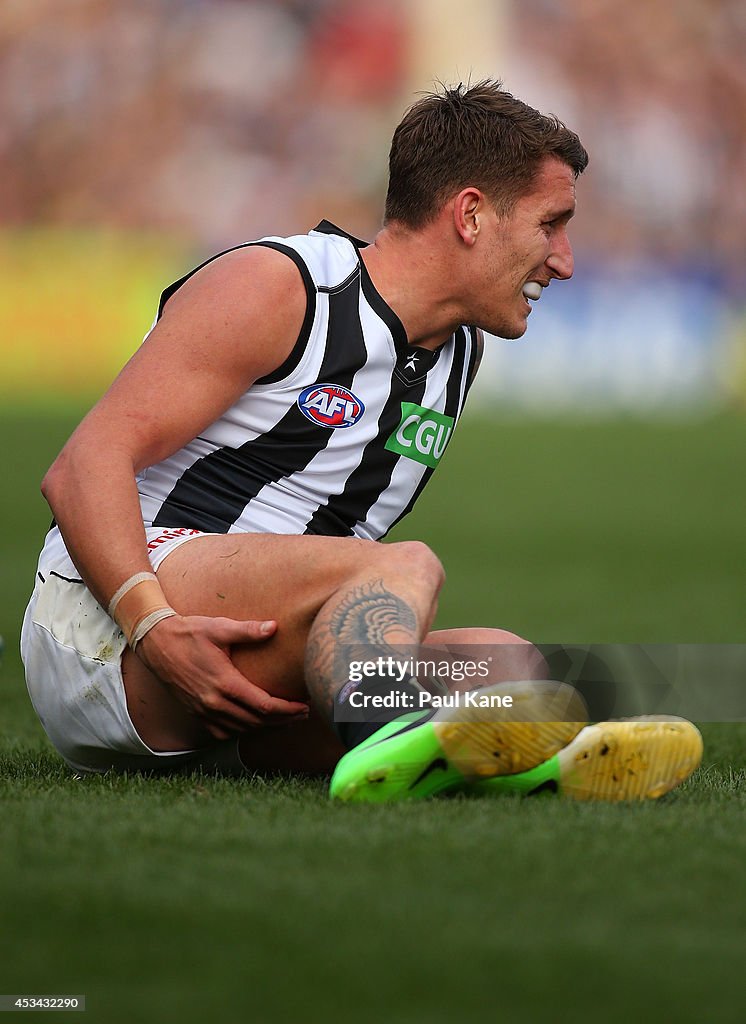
(532, 290)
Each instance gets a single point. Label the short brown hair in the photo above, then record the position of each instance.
(471, 135)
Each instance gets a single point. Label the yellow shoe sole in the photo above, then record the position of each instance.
(635, 759)
(545, 717)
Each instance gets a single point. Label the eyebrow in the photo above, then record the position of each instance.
(565, 214)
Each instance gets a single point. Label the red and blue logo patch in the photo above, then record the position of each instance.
(330, 405)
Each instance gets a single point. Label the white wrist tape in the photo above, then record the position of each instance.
(139, 577)
(138, 605)
(146, 624)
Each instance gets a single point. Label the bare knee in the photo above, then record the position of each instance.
(416, 560)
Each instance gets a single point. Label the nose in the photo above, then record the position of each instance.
(561, 261)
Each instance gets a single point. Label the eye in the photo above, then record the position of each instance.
(559, 221)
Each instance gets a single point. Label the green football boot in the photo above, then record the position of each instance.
(421, 754)
(632, 759)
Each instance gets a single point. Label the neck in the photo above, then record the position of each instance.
(410, 273)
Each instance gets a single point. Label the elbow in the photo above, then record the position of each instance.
(52, 484)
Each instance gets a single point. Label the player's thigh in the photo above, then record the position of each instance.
(256, 576)
(266, 576)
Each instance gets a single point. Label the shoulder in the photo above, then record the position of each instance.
(251, 301)
(241, 276)
(329, 254)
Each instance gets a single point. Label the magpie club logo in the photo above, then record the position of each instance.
(330, 405)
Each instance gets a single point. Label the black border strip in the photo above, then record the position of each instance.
(381, 308)
(65, 578)
(325, 227)
(290, 364)
(333, 289)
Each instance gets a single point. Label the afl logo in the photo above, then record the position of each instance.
(330, 405)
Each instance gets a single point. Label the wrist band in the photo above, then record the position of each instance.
(139, 577)
(145, 625)
(138, 605)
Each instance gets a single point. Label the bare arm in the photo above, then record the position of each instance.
(233, 322)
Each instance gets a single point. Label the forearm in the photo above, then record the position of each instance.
(94, 499)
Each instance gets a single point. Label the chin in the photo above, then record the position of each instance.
(508, 332)
(500, 326)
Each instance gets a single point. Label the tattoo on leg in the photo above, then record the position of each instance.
(365, 615)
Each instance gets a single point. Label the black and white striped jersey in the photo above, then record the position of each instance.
(342, 438)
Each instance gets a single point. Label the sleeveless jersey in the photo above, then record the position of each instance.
(342, 438)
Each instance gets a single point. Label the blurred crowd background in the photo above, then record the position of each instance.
(139, 136)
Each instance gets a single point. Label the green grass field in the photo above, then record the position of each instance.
(195, 899)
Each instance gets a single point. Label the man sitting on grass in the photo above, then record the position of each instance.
(219, 512)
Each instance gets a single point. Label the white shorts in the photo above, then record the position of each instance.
(72, 652)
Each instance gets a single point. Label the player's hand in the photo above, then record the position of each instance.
(191, 654)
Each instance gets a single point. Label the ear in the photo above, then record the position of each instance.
(468, 205)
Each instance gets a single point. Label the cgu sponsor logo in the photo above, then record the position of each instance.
(422, 434)
(330, 405)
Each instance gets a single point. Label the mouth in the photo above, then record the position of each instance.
(532, 290)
